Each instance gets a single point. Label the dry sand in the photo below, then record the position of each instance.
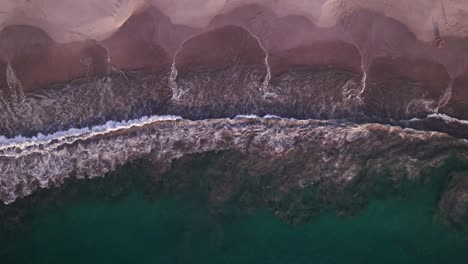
(71, 20)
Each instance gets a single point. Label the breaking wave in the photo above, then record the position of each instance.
(74, 134)
(47, 160)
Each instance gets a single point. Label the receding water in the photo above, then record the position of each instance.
(133, 229)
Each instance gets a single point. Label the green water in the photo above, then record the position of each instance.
(134, 230)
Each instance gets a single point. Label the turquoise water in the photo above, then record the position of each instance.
(135, 230)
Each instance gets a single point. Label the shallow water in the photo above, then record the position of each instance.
(133, 229)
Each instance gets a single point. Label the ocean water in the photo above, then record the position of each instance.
(170, 229)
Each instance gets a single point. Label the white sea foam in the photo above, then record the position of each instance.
(272, 117)
(41, 142)
(444, 117)
(268, 116)
(81, 133)
(246, 117)
(448, 118)
(50, 159)
(110, 126)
